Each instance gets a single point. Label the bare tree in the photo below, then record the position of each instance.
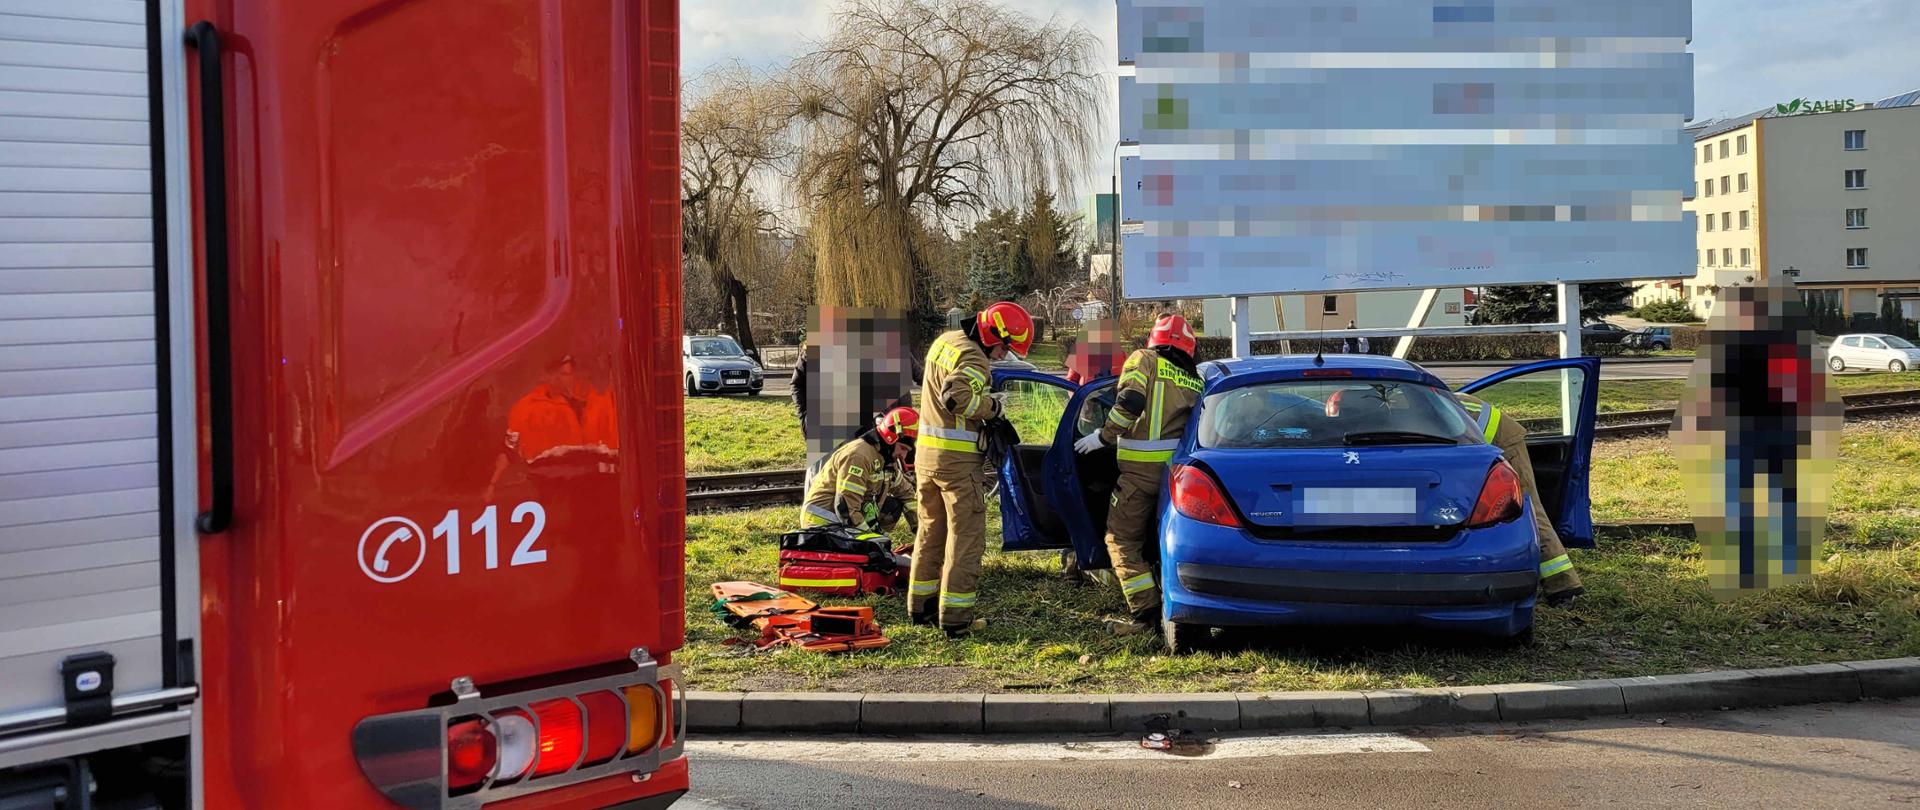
(1055, 303)
(919, 111)
(732, 134)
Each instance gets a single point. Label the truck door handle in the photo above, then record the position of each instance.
(204, 38)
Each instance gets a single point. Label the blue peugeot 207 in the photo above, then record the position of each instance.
(1336, 490)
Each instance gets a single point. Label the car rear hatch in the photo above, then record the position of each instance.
(1383, 494)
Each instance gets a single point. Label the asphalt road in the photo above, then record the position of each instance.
(1675, 369)
(1862, 755)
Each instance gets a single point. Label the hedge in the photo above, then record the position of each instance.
(1457, 348)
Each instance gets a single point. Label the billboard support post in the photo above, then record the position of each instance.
(1570, 347)
(1404, 346)
(1242, 326)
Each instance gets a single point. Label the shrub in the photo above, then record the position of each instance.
(1671, 310)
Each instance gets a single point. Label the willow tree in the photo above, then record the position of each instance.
(918, 112)
(732, 135)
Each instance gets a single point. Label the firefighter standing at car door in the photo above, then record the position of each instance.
(855, 481)
(1559, 583)
(956, 400)
(1158, 388)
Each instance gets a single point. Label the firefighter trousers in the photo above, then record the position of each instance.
(944, 579)
(1556, 567)
(1131, 524)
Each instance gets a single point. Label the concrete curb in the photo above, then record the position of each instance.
(724, 713)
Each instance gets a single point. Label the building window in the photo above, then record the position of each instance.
(1723, 147)
(1740, 145)
(1743, 182)
(1726, 220)
(1713, 258)
(1329, 305)
(1856, 178)
(1856, 258)
(1709, 223)
(1746, 257)
(1856, 140)
(1746, 220)
(1709, 186)
(1706, 153)
(1726, 257)
(1723, 184)
(1856, 218)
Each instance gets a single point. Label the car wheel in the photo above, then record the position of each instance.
(1836, 363)
(1183, 638)
(1659, 347)
(1523, 638)
(753, 392)
(692, 390)
(1897, 366)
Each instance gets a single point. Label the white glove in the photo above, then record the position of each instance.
(1088, 444)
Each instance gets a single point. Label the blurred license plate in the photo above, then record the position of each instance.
(1357, 501)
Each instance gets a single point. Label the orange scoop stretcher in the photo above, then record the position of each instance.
(785, 619)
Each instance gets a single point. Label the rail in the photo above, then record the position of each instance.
(758, 489)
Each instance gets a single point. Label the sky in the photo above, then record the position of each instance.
(1747, 55)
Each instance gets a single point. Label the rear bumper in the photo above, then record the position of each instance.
(1357, 588)
(1505, 618)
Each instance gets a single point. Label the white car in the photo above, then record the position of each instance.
(1873, 353)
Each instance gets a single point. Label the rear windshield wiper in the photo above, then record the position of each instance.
(1395, 437)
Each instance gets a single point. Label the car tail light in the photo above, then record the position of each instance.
(478, 750)
(1196, 495)
(471, 753)
(1500, 497)
(563, 737)
(607, 722)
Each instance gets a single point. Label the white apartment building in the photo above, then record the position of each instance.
(1827, 198)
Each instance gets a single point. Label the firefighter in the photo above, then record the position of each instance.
(854, 484)
(1158, 388)
(1559, 583)
(956, 400)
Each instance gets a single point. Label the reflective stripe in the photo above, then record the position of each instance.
(1557, 565)
(1133, 375)
(1159, 398)
(1133, 585)
(959, 599)
(955, 434)
(1116, 417)
(850, 486)
(949, 444)
(924, 587)
(1153, 456)
(975, 373)
(821, 514)
(819, 583)
(1149, 444)
(1491, 421)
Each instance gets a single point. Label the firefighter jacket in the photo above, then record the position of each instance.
(1150, 408)
(850, 486)
(956, 395)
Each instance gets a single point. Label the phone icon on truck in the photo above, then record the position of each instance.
(393, 532)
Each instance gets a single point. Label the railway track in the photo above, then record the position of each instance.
(754, 490)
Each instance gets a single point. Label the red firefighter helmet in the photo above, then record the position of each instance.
(1172, 330)
(1009, 323)
(899, 424)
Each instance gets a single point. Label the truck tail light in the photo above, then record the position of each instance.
(517, 745)
(1198, 496)
(563, 737)
(479, 750)
(606, 725)
(471, 753)
(1500, 497)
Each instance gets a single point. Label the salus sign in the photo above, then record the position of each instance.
(1801, 106)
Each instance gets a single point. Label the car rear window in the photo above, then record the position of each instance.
(1332, 413)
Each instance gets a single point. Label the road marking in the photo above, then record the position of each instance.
(1066, 750)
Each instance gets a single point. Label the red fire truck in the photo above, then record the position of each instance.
(340, 426)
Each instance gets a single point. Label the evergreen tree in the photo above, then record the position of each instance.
(1539, 303)
(1891, 321)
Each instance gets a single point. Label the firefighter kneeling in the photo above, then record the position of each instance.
(864, 484)
(1158, 388)
(1559, 583)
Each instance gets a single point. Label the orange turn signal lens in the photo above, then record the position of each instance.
(643, 718)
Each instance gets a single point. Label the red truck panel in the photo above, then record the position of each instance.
(456, 277)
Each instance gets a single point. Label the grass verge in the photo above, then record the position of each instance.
(730, 434)
(1648, 610)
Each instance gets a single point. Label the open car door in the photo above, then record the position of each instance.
(1555, 400)
(1043, 496)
